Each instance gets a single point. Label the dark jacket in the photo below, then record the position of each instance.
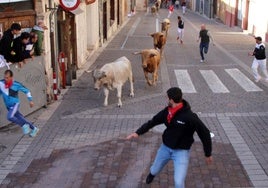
(179, 132)
(203, 34)
(19, 49)
(181, 24)
(259, 52)
(6, 44)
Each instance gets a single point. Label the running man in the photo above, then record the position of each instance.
(9, 90)
(204, 37)
(181, 124)
(180, 29)
(259, 60)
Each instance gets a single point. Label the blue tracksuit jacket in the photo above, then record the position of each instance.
(10, 95)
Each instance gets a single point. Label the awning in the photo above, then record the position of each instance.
(88, 2)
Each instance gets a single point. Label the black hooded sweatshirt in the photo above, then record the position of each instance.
(6, 45)
(179, 132)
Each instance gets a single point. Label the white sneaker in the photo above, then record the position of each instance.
(34, 132)
(201, 61)
(257, 80)
(25, 129)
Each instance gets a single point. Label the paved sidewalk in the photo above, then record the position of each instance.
(82, 144)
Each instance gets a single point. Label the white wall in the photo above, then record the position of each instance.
(258, 17)
(92, 22)
(81, 35)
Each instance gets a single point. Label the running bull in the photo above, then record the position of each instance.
(150, 64)
(159, 40)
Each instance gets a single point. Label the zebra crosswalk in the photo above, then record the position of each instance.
(212, 80)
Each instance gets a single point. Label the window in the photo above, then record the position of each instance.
(112, 12)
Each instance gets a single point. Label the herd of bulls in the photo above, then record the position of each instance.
(113, 75)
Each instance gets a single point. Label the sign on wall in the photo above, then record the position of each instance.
(69, 5)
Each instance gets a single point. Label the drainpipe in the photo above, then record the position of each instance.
(53, 29)
(211, 9)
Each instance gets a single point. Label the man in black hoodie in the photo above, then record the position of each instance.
(181, 124)
(6, 42)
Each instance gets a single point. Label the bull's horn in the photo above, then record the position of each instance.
(92, 69)
(135, 53)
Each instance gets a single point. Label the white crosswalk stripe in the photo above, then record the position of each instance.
(242, 80)
(184, 81)
(213, 81)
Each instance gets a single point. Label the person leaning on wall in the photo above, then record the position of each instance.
(39, 30)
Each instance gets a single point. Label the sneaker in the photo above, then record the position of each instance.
(257, 80)
(201, 61)
(34, 132)
(149, 178)
(25, 129)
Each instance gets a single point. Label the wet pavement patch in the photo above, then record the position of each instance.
(2, 148)
(121, 163)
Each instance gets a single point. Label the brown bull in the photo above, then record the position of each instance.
(159, 40)
(150, 64)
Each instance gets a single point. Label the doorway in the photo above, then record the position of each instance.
(104, 21)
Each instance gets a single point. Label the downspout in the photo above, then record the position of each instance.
(53, 27)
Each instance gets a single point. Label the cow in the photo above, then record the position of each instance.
(153, 10)
(150, 64)
(159, 40)
(165, 25)
(114, 75)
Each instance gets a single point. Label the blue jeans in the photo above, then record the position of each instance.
(16, 117)
(180, 159)
(203, 47)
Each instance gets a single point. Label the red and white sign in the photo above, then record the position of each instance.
(69, 5)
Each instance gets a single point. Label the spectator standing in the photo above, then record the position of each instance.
(180, 29)
(183, 5)
(170, 10)
(181, 124)
(9, 90)
(39, 30)
(204, 38)
(7, 40)
(259, 60)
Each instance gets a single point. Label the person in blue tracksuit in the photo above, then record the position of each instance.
(9, 90)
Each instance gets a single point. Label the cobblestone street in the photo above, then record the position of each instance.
(82, 144)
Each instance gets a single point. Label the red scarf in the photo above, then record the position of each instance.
(8, 84)
(172, 111)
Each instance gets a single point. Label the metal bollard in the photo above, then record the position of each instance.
(63, 73)
(55, 92)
